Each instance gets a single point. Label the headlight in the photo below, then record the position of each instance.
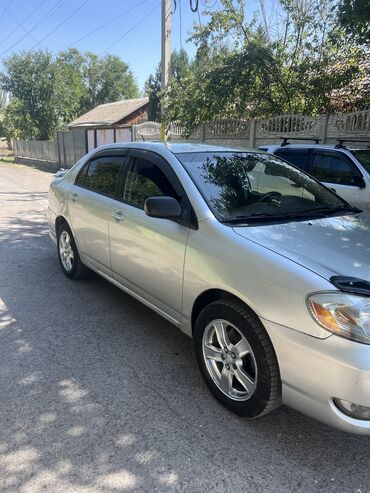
(343, 314)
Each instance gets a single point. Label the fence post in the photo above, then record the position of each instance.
(203, 132)
(323, 127)
(252, 133)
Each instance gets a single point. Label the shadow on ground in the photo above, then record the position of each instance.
(98, 393)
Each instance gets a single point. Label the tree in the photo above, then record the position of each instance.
(255, 69)
(152, 89)
(69, 84)
(32, 111)
(354, 17)
(47, 92)
(178, 68)
(106, 79)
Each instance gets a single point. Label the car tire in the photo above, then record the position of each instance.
(68, 255)
(243, 374)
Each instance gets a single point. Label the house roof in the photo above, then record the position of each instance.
(109, 113)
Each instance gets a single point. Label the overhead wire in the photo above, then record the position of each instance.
(131, 29)
(23, 21)
(194, 5)
(5, 9)
(107, 23)
(28, 33)
(48, 14)
(59, 25)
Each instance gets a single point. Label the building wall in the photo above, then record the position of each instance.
(139, 116)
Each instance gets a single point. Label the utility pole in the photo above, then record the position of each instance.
(166, 49)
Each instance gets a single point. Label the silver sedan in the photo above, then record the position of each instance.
(267, 269)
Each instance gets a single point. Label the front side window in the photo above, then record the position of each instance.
(334, 168)
(101, 175)
(254, 186)
(145, 179)
(298, 157)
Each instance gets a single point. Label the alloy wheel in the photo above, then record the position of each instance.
(230, 360)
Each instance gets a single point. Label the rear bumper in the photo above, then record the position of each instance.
(51, 218)
(314, 371)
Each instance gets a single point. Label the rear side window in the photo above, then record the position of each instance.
(101, 175)
(334, 168)
(146, 179)
(298, 157)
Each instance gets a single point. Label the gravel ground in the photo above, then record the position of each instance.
(99, 394)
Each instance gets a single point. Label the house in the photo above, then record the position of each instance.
(118, 114)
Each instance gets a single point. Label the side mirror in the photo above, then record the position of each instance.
(162, 207)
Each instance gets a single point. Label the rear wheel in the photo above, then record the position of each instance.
(237, 359)
(68, 255)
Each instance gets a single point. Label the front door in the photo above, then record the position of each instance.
(147, 254)
(92, 201)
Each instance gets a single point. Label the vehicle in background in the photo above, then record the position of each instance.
(345, 171)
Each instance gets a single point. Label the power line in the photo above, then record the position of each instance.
(60, 25)
(48, 14)
(23, 21)
(131, 29)
(5, 9)
(28, 33)
(107, 23)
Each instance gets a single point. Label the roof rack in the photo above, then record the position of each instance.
(341, 145)
(286, 143)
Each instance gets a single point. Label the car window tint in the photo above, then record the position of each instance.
(81, 177)
(145, 179)
(298, 157)
(333, 168)
(102, 174)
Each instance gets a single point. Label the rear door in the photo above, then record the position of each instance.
(338, 172)
(92, 201)
(147, 254)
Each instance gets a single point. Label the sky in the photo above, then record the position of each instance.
(133, 29)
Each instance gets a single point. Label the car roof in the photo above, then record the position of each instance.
(175, 148)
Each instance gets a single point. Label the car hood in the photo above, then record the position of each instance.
(328, 246)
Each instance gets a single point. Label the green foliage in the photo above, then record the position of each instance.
(257, 68)
(105, 80)
(152, 89)
(32, 111)
(47, 92)
(178, 69)
(354, 17)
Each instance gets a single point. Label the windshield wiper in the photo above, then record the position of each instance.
(255, 217)
(319, 211)
(325, 210)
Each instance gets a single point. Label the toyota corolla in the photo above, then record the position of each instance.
(267, 269)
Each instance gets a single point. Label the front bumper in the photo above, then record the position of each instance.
(314, 371)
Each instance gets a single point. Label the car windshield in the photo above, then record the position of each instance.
(252, 187)
(363, 155)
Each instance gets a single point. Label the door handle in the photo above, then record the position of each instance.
(73, 196)
(118, 215)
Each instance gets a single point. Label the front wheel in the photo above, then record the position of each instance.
(68, 255)
(237, 359)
